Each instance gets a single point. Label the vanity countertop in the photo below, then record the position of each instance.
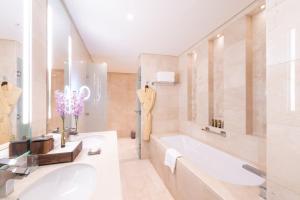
(108, 184)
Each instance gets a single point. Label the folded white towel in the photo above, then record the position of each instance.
(170, 158)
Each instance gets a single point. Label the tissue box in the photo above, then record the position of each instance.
(41, 145)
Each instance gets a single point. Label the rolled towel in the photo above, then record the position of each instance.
(171, 158)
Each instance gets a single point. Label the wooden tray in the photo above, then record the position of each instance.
(61, 155)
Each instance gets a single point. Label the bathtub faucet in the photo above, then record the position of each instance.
(263, 190)
(262, 187)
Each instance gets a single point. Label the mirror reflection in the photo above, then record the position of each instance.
(11, 72)
(57, 48)
(71, 73)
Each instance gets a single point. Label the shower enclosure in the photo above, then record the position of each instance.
(139, 117)
(92, 80)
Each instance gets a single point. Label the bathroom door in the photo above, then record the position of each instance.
(139, 117)
(95, 106)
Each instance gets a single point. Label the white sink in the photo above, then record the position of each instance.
(93, 141)
(73, 182)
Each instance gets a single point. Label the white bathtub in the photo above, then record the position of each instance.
(212, 161)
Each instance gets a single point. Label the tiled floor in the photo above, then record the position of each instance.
(139, 179)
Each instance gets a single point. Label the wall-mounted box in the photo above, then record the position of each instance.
(165, 77)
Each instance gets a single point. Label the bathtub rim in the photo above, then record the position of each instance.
(223, 189)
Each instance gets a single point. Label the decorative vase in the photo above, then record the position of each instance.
(76, 124)
(63, 139)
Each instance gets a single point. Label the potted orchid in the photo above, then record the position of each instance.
(61, 108)
(77, 107)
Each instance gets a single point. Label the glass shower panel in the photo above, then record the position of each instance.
(94, 78)
(95, 106)
(139, 117)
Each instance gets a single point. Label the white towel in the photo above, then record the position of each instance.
(170, 158)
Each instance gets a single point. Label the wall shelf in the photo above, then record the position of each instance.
(215, 130)
(163, 83)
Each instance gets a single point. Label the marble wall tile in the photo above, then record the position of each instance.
(247, 147)
(259, 73)
(281, 19)
(121, 103)
(279, 192)
(218, 78)
(235, 64)
(166, 111)
(283, 155)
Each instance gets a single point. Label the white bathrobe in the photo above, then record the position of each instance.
(147, 99)
(9, 95)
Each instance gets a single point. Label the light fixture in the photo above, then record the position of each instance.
(195, 55)
(81, 92)
(262, 7)
(70, 48)
(219, 35)
(130, 17)
(27, 62)
(292, 70)
(49, 56)
(68, 88)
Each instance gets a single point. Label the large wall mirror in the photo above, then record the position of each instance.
(70, 70)
(15, 23)
(57, 47)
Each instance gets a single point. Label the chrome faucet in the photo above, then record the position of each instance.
(260, 173)
(6, 182)
(11, 169)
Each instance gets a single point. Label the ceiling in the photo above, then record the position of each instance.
(167, 27)
(11, 19)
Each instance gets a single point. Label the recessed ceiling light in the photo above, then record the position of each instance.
(262, 7)
(130, 17)
(219, 35)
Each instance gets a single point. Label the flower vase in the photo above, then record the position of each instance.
(76, 125)
(63, 139)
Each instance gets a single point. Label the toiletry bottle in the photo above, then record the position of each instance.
(219, 123)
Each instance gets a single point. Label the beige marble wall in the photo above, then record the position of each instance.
(121, 103)
(235, 77)
(165, 111)
(218, 78)
(237, 62)
(283, 138)
(259, 73)
(195, 75)
(202, 84)
(39, 67)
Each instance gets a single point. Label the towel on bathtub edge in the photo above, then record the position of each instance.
(171, 158)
